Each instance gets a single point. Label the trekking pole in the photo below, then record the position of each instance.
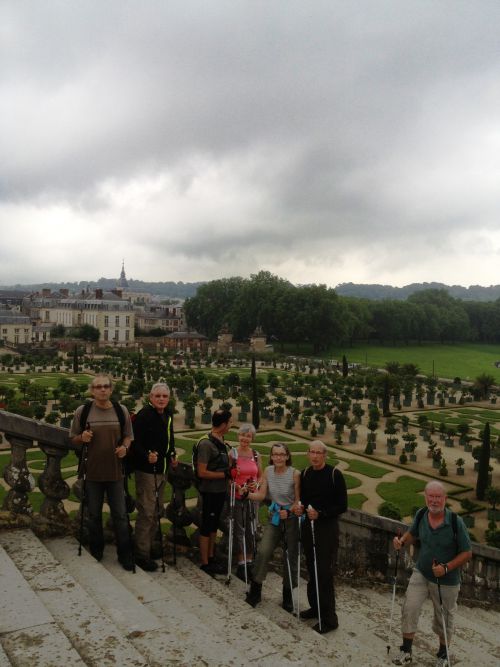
(232, 494)
(394, 580)
(174, 511)
(313, 534)
(287, 558)
(299, 543)
(157, 500)
(435, 562)
(128, 516)
(84, 490)
(244, 507)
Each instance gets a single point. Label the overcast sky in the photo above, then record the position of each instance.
(324, 141)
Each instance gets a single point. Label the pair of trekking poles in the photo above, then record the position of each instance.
(443, 620)
(253, 530)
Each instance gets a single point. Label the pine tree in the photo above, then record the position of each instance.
(484, 464)
(75, 360)
(345, 367)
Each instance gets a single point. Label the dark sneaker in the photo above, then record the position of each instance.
(254, 595)
(240, 572)
(325, 627)
(146, 564)
(216, 567)
(97, 553)
(127, 562)
(403, 658)
(207, 569)
(308, 613)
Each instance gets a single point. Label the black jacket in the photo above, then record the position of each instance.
(153, 432)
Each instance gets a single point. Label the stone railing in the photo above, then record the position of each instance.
(366, 553)
(22, 434)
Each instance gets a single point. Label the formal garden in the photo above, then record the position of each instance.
(389, 432)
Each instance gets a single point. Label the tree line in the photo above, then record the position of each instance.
(317, 314)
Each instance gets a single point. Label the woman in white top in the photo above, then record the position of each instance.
(280, 485)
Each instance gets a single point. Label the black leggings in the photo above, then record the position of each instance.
(212, 504)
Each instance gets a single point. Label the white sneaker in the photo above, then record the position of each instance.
(404, 658)
(442, 662)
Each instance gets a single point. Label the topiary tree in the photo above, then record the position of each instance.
(484, 464)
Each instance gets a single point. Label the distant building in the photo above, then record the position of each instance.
(108, 312)
(168, 318)
(15, 329)
(186, 341)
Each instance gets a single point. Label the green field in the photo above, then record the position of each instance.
(465, 360)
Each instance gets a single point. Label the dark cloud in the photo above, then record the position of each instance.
(248, 134)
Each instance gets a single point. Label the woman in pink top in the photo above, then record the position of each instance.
(246, 473)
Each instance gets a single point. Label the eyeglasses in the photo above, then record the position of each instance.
(278, 454)
(161, 395)
(101, 386)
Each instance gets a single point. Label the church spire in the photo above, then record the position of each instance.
(122, 282)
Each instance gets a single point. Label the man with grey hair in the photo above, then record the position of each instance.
(153, 451)
(444, 547)
(103, 428)
(323, 494)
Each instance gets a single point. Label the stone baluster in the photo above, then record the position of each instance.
(18, 477)
(53, 518)
(181, 478)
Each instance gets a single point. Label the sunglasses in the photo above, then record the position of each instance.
(101, 386)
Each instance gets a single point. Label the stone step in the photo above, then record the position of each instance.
(308, 648)
(29, 635)
(155, 623)
(4, 660)
(232, 635)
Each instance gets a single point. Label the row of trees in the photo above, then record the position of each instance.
(317, 314)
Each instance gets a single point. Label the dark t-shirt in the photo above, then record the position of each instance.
(216, 458)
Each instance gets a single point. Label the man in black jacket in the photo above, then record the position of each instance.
(323, 495)
(153, 452)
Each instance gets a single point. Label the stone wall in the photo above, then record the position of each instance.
(366, 554)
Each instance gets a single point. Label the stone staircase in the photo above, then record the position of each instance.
(58, 609)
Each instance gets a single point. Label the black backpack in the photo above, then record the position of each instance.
(454, 525)
(222, 452)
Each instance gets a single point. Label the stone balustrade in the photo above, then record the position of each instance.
(366, 552)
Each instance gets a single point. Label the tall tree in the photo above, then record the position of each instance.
(484, 464)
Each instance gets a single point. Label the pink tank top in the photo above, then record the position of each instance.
(247, 469)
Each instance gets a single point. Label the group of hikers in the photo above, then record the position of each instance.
(303, 511)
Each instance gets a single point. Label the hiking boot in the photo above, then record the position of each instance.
(254, 595)
(240, 572)
(325, 627)
(127, 562)
(217, 567)
(442, 662)
(207, 569)
(146, 564)
(403, 658)
(97, 553)
(308, 614)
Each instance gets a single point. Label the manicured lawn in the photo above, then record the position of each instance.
(465, 360)
(355, 500)
(366, 468)
(404, 493)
